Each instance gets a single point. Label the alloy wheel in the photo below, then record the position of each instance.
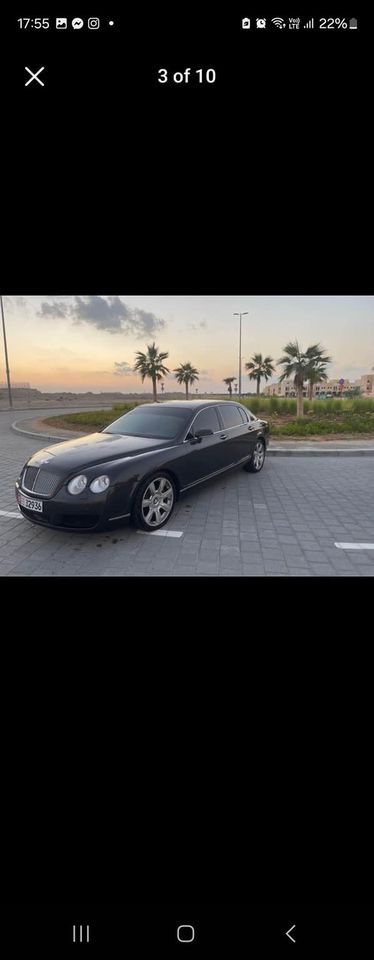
(157, 501)
(258, 455)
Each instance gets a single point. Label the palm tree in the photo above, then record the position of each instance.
(301, 366)
(151, 365)
(229, 381)
(315, 376)
(260, 367)
(186, 374)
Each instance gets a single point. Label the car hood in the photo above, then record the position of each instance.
(91, 450)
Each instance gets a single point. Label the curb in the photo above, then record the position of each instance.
(40, 436)
(357, 452)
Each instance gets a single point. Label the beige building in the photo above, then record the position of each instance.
(367, 385)
(333, 387)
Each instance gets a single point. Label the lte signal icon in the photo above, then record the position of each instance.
(246, 23)
(61, 23)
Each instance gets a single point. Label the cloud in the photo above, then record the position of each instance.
(122, 369)
(105, 313)
(52, 310)
(196, 326)
(12, 302)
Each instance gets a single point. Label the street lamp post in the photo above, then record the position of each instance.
(6, 355)
(240, 315)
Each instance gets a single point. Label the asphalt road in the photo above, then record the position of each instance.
(283, 522)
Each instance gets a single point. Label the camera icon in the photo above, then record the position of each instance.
(93, 23)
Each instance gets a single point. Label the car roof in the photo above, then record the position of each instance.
(192, 404)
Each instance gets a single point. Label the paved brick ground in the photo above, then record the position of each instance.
(283, 522)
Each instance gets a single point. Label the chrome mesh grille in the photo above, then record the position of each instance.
(29, 476)
(40, 481)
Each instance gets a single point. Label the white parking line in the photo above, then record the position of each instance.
(162, 533)
(355, 546)
(7, 513)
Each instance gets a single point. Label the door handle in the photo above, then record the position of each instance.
(223, 436)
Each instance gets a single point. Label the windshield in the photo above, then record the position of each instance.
(158, 424)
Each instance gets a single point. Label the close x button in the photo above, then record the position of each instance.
(34, 76)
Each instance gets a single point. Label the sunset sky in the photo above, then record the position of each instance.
(82, 343)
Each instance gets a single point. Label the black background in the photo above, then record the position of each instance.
(177, 758)
(260, 182)
(151, 929)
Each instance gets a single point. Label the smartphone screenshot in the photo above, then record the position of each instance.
(186, 433)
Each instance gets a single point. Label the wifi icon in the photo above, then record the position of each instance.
(278, 22)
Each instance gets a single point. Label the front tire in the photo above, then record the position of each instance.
(257, 460)
(154, 502)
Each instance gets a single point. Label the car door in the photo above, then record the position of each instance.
(239, 432)
(207, 456)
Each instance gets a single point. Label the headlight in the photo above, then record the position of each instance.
(77, 484)
(99, 484)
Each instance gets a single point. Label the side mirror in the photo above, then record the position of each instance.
(203, 433)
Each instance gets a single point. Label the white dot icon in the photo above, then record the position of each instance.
(111, 23)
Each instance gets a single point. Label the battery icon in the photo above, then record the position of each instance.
(353, 23)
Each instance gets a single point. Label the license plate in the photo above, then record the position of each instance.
(36, 505)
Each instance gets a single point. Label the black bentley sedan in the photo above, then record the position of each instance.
(139, 465)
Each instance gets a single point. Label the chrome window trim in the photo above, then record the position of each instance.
(216, 472)
(241, 424)
(213, 407)
(247, 414)
(235, 427)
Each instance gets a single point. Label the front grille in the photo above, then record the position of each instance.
(40, 481)
(29, 477)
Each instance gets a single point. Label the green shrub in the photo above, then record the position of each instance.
(302, 427)
(91, 419)
(254, 403)
(362, 405)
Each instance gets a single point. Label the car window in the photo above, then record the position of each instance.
(207, 420)
(230, 415)
(158, 424)
(243, 414)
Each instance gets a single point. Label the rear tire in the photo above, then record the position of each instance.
(154, 502)
(256, 463)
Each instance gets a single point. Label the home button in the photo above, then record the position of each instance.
(185, 933)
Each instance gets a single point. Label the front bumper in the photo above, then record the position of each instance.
(87, 511)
